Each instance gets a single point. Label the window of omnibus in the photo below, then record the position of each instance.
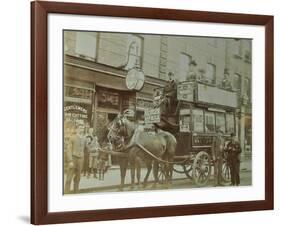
(198, 120)
(220, 122)
(209, 121)
(230, 125)
(185, 120)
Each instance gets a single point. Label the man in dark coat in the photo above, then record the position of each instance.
(233, 149)
(170, 92)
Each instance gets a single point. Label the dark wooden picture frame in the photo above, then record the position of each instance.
(39, 111)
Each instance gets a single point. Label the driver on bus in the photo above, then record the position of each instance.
(170, 92)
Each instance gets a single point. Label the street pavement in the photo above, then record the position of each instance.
(111, 180)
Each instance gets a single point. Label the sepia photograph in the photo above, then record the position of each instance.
(142, 112)
(151, 112)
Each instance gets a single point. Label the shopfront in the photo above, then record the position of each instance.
(108, 104)
(94, 94)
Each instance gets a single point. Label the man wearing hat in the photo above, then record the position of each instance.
(170, 92)
(233, 149)
(226, 83)
(192, 75)
(218, 147)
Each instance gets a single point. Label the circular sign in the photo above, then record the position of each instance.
(135, 79)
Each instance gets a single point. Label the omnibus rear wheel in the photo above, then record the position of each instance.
(201, 169)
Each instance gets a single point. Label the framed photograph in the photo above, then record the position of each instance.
(148, 112)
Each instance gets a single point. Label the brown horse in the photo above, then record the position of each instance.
(143, 146)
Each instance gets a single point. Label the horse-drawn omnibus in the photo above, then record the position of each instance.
(198, 112)
(180, 134)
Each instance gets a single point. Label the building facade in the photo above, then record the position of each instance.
(96, 64)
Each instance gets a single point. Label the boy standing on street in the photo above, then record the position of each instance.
(75, 156)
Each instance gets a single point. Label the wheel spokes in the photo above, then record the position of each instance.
(201, 168)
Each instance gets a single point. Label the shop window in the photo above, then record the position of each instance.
(108, 99)
(185, 120)
(101, 124)
(230, 125)
(198, 120)
(184, 66)
(185, 123)
(134, 51)
(209, 121)
(210, 73)
(128, 102)
(86, 44)
(220, 122)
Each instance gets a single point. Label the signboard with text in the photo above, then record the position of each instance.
(108, 99)
(77, 113)
(152, 115)
(214, 95)
(184, 121)
(82, 93)
(185, 91)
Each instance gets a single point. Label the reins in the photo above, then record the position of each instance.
(135, 143)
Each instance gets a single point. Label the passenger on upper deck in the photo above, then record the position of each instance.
(226, 83)
(170, 92)
(192, 75)
(201, 76)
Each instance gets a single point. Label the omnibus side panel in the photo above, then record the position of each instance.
(184, 143)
